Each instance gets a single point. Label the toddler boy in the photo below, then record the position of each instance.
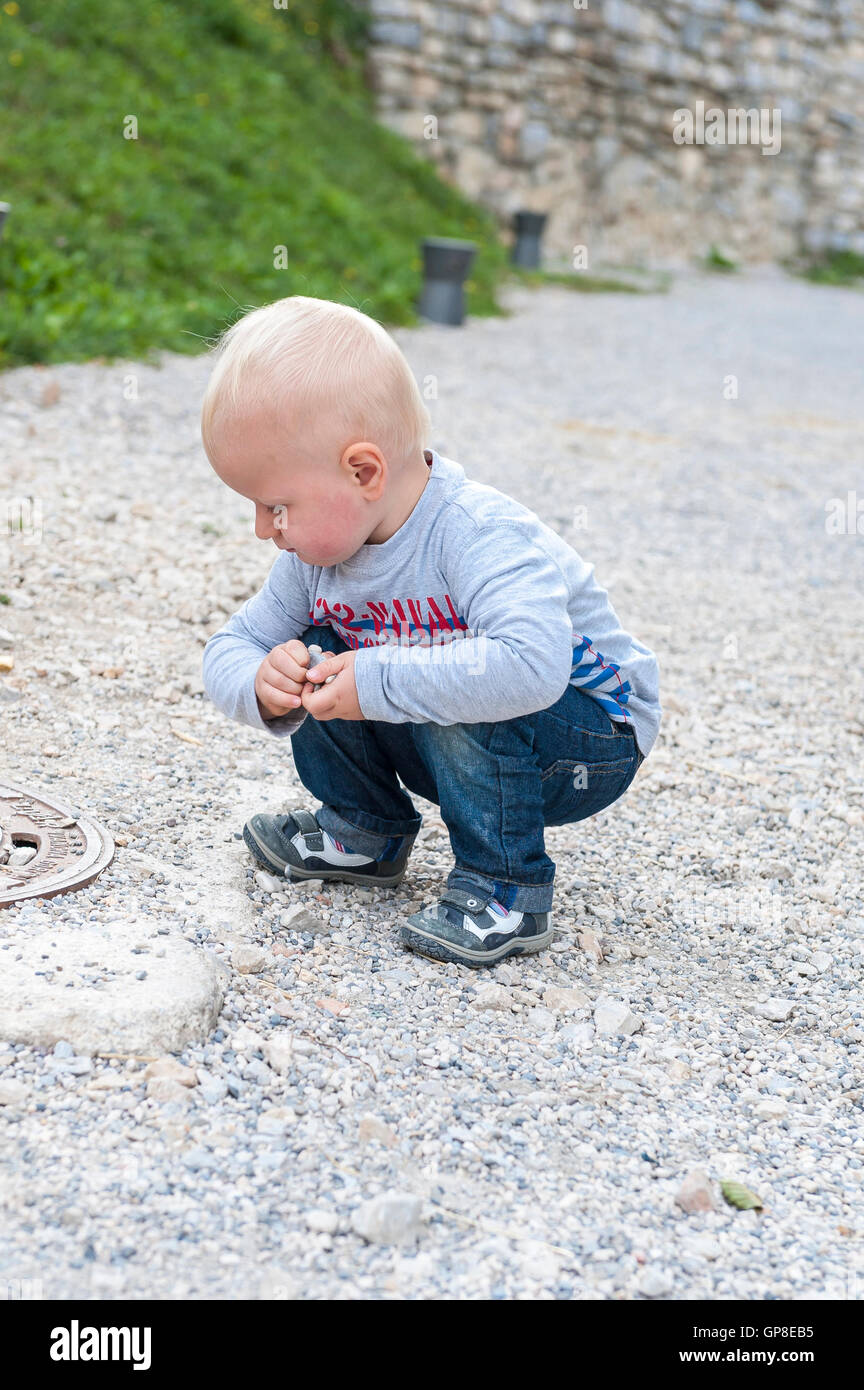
(475, 658)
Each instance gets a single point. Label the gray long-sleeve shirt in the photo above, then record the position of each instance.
(473, 611)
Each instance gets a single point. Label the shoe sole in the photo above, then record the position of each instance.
(294, 875)
(435, 949)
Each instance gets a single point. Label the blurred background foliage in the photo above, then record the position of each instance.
(255, 130)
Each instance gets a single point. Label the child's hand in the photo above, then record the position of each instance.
(338, 700)
(280, 679)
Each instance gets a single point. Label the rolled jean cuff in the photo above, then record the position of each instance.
(363, 839)
(521, 897)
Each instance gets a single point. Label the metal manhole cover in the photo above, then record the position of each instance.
(70, 849)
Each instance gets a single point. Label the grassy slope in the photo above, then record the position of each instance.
(249, 137)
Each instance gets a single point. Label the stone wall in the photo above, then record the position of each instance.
(571, 111)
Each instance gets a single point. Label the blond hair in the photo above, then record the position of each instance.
(331, 362)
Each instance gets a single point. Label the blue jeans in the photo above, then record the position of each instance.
(497, 784)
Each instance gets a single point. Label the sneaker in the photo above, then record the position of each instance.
(297, 846)
(475, 930)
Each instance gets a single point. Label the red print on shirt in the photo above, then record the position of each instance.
(402, 620)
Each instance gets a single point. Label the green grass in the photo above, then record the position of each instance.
(585, 284)
(255, 131)
(716, 260)
(837, 268)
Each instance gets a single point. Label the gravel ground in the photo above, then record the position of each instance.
(366, 1123)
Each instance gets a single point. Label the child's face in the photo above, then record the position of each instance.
(305, 499)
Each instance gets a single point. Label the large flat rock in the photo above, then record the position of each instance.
(82, 985)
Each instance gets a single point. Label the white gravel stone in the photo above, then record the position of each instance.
(778, 1010)
(269, 882)
(578, 1035)
(272, 1122)
(391, 1219)
(19, 858)
(165, 1089)
(249, 960)
(493, 996)
(591, 943)
(565, 1001)
(299, 918)
(326, 1221)
(771, 1109)
(279, 1052)
(612, 1016)
(704, 1245)
(541, 1019)
(172, 1070)
(730, 1166)
(373, 1129)
(12, 1093)
(655, 1283)
(696, 1192)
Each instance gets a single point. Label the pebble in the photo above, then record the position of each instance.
(372, 1129)
(541, 1019)
(271, 1122)
(578, 1035)
(197, 1159)
(778, 1010)
(655, 1283)
(279, 1052)
(163, 1088)
(591, 943)
(704, 1245)
(299, 918)
(249, 960)
(171, 1069)
(492, 996)
(391, 1219)
(612, 1016)
(771, 1109)
(269, 882)
(565, 1000)
(213, 1091)
(19, 858)
(13, 1093)
(325, 1221)
(696, 1192)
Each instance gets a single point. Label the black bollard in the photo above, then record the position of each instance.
(5, 209)
(446, 262)
(528, 227)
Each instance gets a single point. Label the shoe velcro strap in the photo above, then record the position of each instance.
(309, 829)
(467, 902)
